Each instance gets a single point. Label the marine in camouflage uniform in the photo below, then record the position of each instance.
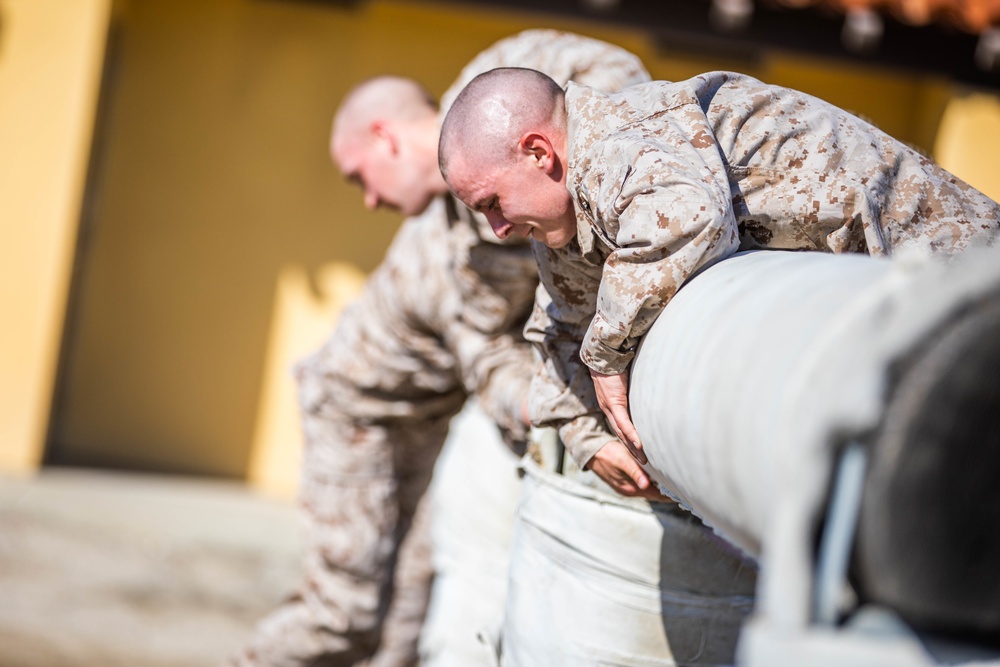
(667, 178)
(440, 320)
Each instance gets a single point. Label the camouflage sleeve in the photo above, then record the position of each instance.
(562, 393)
(497, 370)
(671, 214)
(387, 360)
(481, 315)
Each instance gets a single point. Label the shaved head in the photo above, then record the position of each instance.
(491, 114)
(381, 98)
(502, 152)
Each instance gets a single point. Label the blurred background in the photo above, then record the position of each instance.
(175, 236)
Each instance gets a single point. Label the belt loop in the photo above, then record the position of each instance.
(560, 455)
(547, 449)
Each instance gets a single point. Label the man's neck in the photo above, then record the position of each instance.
(426, 133)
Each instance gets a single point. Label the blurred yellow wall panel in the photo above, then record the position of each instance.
(51, 54)
(214, 175)
(969, 141)
(302, 321)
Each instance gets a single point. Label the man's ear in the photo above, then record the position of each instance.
(539, 149)
(383, 132)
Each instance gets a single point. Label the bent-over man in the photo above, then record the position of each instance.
(631, 193)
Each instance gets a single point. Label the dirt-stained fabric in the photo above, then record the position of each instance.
(440, 320)
(668, 178)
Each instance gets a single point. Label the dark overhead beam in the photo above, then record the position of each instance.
(685, 26)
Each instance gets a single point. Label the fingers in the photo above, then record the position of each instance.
(615, 465)
(653, 493)
(635, 482)
(628, 430)
(612, 397)
(629, 491)
(618, 419)
(623, 427)
(635, 473)
(624, 487)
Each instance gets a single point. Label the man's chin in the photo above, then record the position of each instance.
(421, 207)
(557, 240)
(413, 209)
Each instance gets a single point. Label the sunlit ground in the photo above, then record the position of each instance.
(104, 569)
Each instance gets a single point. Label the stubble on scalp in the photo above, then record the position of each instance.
(493, 111)
(380, 98)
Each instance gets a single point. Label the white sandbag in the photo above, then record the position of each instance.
(758, 386)
(598, 579)
(473, 497)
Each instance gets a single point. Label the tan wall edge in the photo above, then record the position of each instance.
(51, 56)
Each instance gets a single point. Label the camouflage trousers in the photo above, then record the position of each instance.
(368, 571)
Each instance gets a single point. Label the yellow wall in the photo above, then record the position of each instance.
(301, 321)
(215, 209)
(51, 53)
(968, 143)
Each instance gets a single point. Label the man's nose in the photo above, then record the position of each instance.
(500, 226)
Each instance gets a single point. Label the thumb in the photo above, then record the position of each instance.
(637, 474)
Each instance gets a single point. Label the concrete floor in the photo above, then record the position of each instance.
(105, 569)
